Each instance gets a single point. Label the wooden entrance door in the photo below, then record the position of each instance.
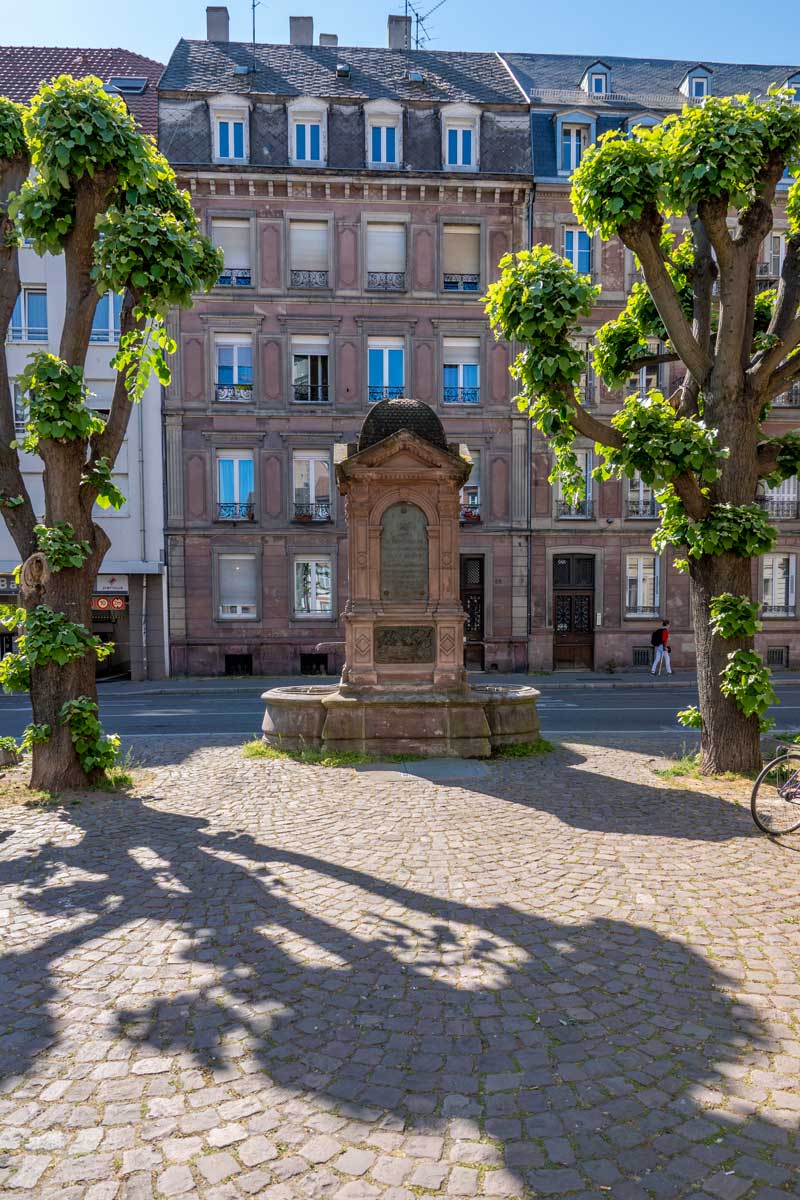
(472, 600)
(573, 611)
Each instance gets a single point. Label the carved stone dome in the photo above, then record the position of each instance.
(390, 416)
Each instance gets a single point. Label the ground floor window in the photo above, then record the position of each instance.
(312, 586)
(237, 586)
(778, 585)
(641, 585)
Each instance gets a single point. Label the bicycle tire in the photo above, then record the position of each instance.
(773, 809)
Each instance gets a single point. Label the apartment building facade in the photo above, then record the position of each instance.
(598, 589)
(129, 604)
(363, 198)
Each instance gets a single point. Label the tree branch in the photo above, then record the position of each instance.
(788, 297)
(782, 379)
(653, 360)
(92, 195)
(767, 455)
(107, 444)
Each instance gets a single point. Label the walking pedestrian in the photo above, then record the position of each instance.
(659, 640)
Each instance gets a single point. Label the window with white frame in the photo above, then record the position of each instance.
(781, 502)
(308, 133)
(231, 141)
(310, 369)
(778, 573)
(312, 587)
(577, 249)
(770, 263)
(582, 509)
(234, 367)
(574, 140)
(696, 84)
(308, 254)
(461, 370)
(598, 83)
(471, 491)
(642, 572)
(648, 378)
(384, 131)
(105, 326)
(232, 236)
(235, 485)
(311, 485)
(386, 256)
(461, 258)
(460, 124)
(20, 411)
(238, 587)
(385, 368)
(29, 316)
(641, 499)
(588, 380)
(699, 87)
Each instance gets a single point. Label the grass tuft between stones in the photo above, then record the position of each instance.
(331, 758)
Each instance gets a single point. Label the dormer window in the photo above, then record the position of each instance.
(308, 133)
(460, 126)
(793, 83)
(598, 84)
(574, 134)
(384, 129)
(230, 129)
(696, 83)
(699, 87)
(596, 79)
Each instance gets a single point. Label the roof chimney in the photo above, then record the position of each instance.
(399, 33)
(329, 39)
(217, 23)
(301, 31)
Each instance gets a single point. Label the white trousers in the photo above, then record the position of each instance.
(661, 652)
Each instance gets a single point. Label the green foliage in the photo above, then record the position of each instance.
(534, 749)
(11, 501)
(12, 133)
(793, 201)
(788, 464)
(719, 150)
(34, 735)
(8, 745)
(748, 681)
(742, 529)
(690, 717)
(619, 343)
(98, 477)
(659, 444)
(310, 757)
(733, 616)
(619, 180)
(60, 546)
(143, 352)
(97, 751)
(56, 402)
(49, 637)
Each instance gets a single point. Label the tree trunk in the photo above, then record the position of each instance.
(730, 741)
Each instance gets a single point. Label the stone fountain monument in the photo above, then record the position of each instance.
(403, 689)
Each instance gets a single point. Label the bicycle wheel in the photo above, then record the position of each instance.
(775, 803)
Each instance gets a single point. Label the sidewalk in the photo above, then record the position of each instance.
(184, 685)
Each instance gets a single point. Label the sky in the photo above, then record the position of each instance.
(721, 30)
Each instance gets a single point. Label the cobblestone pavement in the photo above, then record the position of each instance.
(565, 978)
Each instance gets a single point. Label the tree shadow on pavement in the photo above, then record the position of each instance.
(586, 1053)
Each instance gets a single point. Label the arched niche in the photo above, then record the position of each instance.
(404, 554)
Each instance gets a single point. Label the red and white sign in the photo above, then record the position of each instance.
(109, 604)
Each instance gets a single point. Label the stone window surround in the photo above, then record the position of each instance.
(575, 117)
(598, 554)
(308, 326)
(443, 219)
(397, 327)
(373, 217)
(564, 221)
(299, 110)
(296, 549)
(462, 116)
(236, 214)
(383, 112)
(219, 441)
(593, 491)
(217, 551)
(641, 548)
(317, 217)
(232, 108)
(248, 327)
(296, 443)
(779, 551)
(481, 442)
(466, 328)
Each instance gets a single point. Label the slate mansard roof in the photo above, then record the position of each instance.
(24, 68)
(375, 74)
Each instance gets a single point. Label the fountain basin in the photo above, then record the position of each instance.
(468, 724)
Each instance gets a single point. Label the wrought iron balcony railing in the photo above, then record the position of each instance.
(384, 393)
(235, 277)
(643, 610)
(460, 283)
(788, 399)
(777, 610)
(309, 279)
(386, 281)
(232, 510)
(462, 395)
(319, 510)
(587, 392)
(781, 510)
(642, 509)
(471, 514)
(311, 393)
(241, 392)
(582, 510)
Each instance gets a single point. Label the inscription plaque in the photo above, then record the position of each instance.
(404, 554)
(404, 644)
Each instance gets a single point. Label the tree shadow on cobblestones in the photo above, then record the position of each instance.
(585, 1053)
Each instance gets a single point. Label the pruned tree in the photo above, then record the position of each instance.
(79, 179)
(693, 200)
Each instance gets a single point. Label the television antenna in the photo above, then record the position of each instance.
(255, 4)
(421, 34)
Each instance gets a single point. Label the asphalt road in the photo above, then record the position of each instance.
(636, 711)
